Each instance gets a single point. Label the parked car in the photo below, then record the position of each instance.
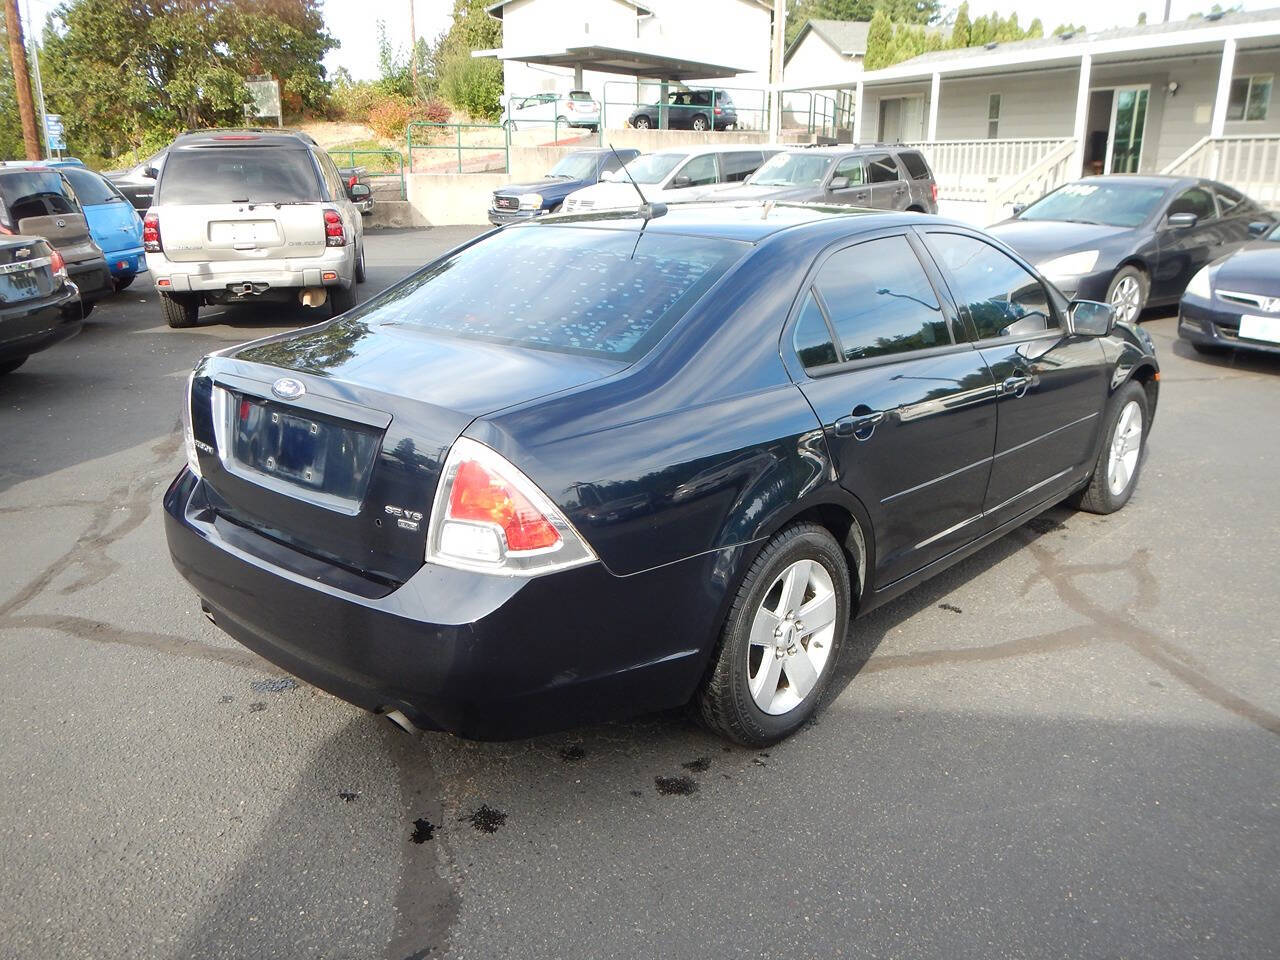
(1234, 302)
(687, 173)
(711, 109)
(888, 178)
(39, 305)
(582, 168)
(491, 504)
(578, 109)
(1133, 241)
(113, 223)
(38, 201)
(246, 216)
(352, 176)
(138, 183)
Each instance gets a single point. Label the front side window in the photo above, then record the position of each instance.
(882, 169)
(699, 172)
(649, 168)
(851, 169)
(1001, 296)
(1197, 200)
(791, 170)
(1250, 98)
(879, 300)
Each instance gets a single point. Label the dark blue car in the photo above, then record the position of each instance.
(492, 505)
(582, 168)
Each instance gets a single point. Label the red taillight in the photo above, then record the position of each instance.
(236, 136)
(483, 497)
(933, 188)
(58, 265)
(334, 235)
(719, 111)
(151, 233)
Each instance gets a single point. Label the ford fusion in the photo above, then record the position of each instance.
(491, 505)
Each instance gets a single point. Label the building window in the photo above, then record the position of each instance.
(1250, 98)
(993, 116)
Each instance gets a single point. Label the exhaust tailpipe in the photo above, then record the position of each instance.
(313, 296)
(403, 722)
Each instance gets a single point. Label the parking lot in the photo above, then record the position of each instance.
(1067, 745)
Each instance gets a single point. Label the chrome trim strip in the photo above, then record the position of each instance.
(1036, 486)
(952, 529)
(1264, 303)
(24, 265)
(928, 483)
(1027, 443)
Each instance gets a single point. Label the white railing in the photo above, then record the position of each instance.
(971, 169)
(1251, 164)
(1053, 170)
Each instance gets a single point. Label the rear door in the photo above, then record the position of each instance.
(1052, 386)
(241, 203)
(907, 406)
(40, 203)
(888, 190)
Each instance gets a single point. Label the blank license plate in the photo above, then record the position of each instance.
(1260, 328)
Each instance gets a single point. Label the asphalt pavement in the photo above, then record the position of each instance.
(1066, 746)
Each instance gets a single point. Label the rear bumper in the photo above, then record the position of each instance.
(92, 277)
(172, 276)
(25, 330)
(1208, 324)
(126, 262)
(479, 656)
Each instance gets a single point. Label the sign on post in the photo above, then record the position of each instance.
(54, 132)
(266, 98)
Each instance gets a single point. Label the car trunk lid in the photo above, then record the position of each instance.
(26, 273)
(242, 232)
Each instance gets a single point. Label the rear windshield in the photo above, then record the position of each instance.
(90, 188)
(34, 193)
(604, 293)
(237, 174)
(914, 162)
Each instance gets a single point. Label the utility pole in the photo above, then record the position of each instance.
(413, 50)
(41, 110)
(21, 80)
(775, 68)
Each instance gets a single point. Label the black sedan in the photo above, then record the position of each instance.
(39, 306)
(138, 183)
(1235, 301)
(1131, 241)
(582, 168)
(502, 507)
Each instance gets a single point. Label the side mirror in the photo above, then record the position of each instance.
(839, 183)
(681, 181)
(1182, 221)
(1088, 318)
(1259, 227)
(1019, 207)
(359, 191)
(150, 173)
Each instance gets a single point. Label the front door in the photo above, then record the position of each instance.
(1128, 123)
(1051, 384)
(908, 412)
(856, 192)
(1182, 251)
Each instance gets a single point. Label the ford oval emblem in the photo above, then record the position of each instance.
(287, 388)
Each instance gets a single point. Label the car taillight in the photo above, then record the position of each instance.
(489, 517)
(58, 265)
(151, 233)
(719, 111)
(334, 236)
(5, 230)
(352, 180)
(933, 188)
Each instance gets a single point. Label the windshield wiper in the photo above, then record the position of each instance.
(1095, 223)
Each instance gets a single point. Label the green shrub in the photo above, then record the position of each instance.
(353, 101)
(472, 85)
(390, 117)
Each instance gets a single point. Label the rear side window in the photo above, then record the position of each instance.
(35, 193)
(1002, 297)
(739, 165)
(882, 169)
(90, 188)
(917, 169)
(238, 174)
(880, 301)
(614, 293)
(1228, 200)
(1196, 200)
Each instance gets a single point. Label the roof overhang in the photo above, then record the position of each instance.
(495, 9)
(627, 61)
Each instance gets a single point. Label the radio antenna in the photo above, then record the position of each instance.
(647, 210)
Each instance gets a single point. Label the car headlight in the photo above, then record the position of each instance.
(530, 201)
(1071, 265)
(1201, 284)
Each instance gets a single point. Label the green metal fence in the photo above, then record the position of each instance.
(558, 122)
(377, 163)
(448, 139)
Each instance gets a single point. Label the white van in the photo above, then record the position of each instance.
(685, 173)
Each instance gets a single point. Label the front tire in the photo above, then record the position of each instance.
(1115, 475)
(360, 274)
(641, 122)
(180, 310)
(122, 283)
(699, 124)
(781, 640)
(1128, 293)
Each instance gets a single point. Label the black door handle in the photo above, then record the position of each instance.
(860, 427)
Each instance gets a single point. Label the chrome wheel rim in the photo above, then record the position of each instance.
(1126, 299)
(1126, 445)
(700, 124)
(791, 637)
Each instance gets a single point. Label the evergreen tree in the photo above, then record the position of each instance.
(879, 42)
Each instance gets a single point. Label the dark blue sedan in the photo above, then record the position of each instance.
(582, 168)
(1235, 302)
(491, 505)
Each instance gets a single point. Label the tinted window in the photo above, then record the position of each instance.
(701, 97)
(700, 171)
(1002, 298)
(880, 300)
(35, 193)
(738, 165)
(1197, 201)
(90, 188)
(917, 169)
(881, 169)
(650, 168)
(850, 167)
(812, 338)
(579, 166)
(612, 296)
(232, 174)
(1116, 204)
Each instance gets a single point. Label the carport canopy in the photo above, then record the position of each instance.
(626, 61)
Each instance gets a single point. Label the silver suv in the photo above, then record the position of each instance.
(251, 215)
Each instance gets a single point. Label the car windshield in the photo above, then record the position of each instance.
(576, 166)
(90, 188)
(650, 168)
(238, 174)
(791, 170)
(607, 293)
(1111, 204)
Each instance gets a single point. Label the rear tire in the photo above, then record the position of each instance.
(181, 310)
(342, 299)
(641, 122)
(8, 366)
(772, 668)
(698, 124)
(122, 283)
(1115, 475)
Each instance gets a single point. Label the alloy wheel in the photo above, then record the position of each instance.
(1126, 298)
(1126, 445)
(791, 637)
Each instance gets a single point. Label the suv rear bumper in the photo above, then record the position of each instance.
(198, 276)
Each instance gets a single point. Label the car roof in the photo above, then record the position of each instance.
(749, 220)
(243, 137)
